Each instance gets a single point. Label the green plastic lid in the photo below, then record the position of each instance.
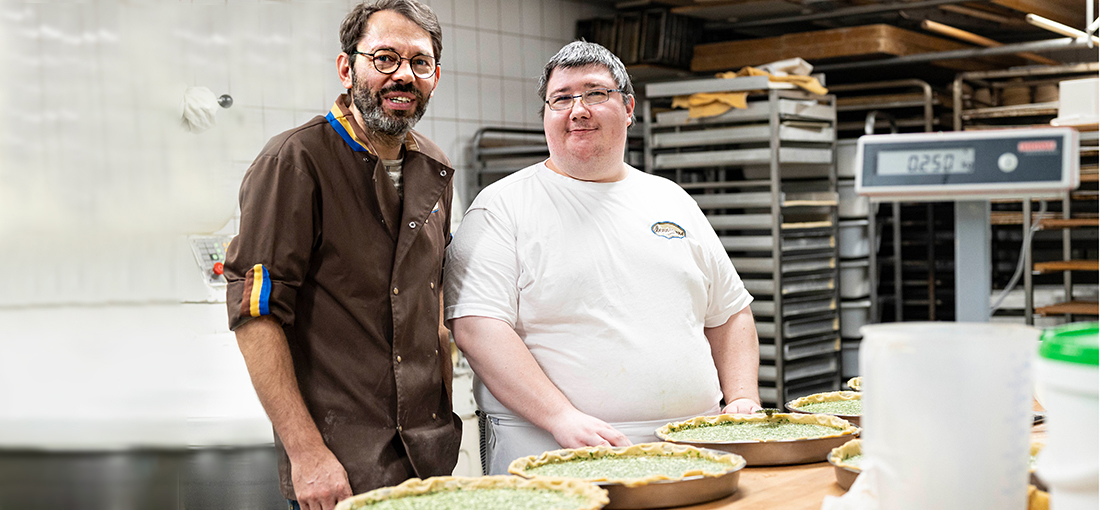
(1078, 342)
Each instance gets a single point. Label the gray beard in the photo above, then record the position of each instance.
(375, 117)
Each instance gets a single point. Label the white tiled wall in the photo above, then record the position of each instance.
(493, 53)
(90, 141)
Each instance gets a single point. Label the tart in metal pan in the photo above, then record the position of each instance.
(843, 404)
(846, 462)
(764, 440)
(648, 475)
(481, 493)
(855, 383)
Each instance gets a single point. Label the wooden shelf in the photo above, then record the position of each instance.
(860, 103)
(1071, 307)
(644, 73)
(1066, 265)
(1016, 217)
(1020, 110)
(1090, 174)
(853, 43)
(1056, 223)
(1047, 222)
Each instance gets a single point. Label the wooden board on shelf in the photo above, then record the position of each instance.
(1067, 12)
(1016, 217)
(1071, 307)
(1034, 199)
(1002, 12)
(1090, 174)
(1048, 221)
(1057, 223)
(916, 97)
(852, 43)
(1018, 110)
(1066, 265)
(725, 10)
(644, 73)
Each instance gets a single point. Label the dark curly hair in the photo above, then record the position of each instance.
(355, 23)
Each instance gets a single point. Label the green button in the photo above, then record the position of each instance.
(1078, 342)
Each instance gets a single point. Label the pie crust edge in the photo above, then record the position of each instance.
(844, 428)
(855, 383)
(831, 396)
(736, 462)
(844, 452)
(595, 497)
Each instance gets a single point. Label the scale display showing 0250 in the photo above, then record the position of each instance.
(926, 162)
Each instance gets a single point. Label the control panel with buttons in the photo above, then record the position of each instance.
(210, 254)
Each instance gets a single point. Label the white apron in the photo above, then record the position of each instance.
(505, 438)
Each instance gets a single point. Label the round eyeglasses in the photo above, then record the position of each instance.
(387, 62)
(589, 97)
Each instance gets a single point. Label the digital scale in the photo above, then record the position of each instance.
(969, 168)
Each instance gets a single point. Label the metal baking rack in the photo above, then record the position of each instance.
(499, 151)
(765, 178)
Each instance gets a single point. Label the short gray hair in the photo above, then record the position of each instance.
(582, 54)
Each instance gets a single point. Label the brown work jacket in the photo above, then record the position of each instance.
(352, 272)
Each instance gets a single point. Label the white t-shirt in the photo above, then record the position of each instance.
(608, 284)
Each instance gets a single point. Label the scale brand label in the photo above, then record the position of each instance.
(1037, 146)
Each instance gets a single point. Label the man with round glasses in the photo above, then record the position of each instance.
(334, 280)
(594, 301)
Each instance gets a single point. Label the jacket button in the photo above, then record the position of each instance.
(412, 224)
(399, 359)
(431, 285)
(433, 416)
(399, 428)
(395, 291)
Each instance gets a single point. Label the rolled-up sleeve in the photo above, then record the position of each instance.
(482, 269)
(727, 294)
(267, 262)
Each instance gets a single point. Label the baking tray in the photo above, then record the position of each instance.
(776, 453)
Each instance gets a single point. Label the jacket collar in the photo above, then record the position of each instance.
(343, 121)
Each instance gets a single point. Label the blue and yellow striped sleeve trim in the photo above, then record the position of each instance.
(257, 292)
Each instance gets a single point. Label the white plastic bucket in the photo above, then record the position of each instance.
(850, 204)
(947, 414)
(854, 241)
(1069, 382)
(853, 315)
(855, 279)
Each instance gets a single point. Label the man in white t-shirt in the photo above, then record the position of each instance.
(594, 301)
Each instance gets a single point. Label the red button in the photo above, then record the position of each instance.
(218, 268)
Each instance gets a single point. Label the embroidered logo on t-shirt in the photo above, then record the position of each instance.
(668, 229)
